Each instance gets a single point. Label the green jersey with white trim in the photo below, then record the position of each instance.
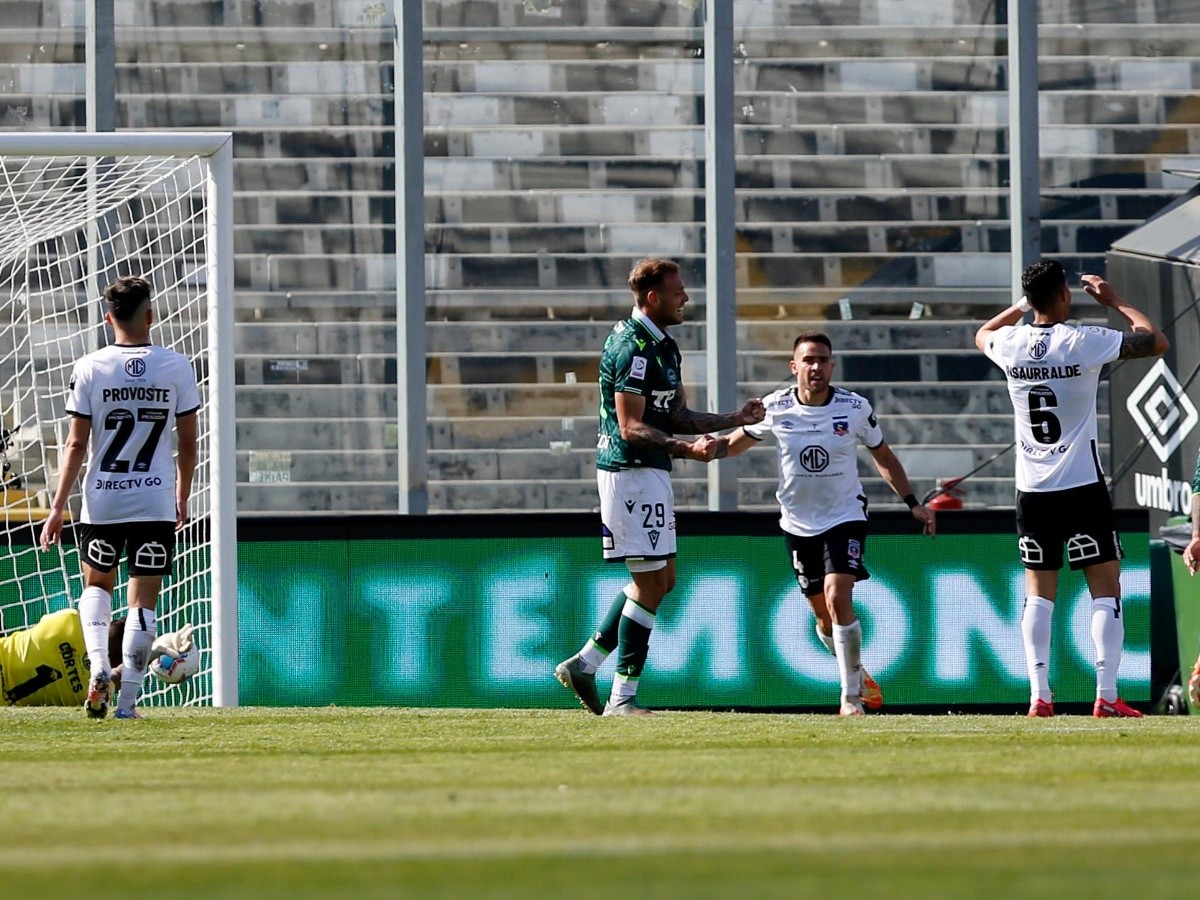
(637, 361)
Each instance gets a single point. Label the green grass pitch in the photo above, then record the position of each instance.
(365, 803)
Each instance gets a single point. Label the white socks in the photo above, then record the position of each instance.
(95, 617)
(1108, 634)
(1035, 632)
(847, 646)
(592, 656)
(825, 639)
(135, 655)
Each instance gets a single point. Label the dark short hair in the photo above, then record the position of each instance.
(812, 337)
(1042, 282)
(648, 275)
(125, 296)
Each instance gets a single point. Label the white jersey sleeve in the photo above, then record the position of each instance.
(868, 430)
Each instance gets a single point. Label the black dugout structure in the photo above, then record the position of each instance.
(1153, 404)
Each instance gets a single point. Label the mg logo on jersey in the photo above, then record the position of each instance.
(135, 368)
(814, 458)
(1162, 411)
(1038, 349)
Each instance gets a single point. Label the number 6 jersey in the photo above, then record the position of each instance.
(1052, 373)
(132, 395)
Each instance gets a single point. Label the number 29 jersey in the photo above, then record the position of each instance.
(1052, 373)
(132, 394)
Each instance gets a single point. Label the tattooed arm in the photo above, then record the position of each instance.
(1146, 339)
(690, 421)
(635, 432)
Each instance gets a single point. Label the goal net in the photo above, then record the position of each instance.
(76, 213)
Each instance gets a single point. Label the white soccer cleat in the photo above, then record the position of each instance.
(851, 706)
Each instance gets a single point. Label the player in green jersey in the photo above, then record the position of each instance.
(642, 407)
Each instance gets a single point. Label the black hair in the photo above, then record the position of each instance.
(125, 296)
(812, 337)
(1043, 283)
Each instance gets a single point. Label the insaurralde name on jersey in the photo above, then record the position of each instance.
(1042, 373)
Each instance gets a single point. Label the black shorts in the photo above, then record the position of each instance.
(150, 546)
(838, 551)
(1081, 518)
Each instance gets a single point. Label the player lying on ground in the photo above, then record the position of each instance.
(47, 665)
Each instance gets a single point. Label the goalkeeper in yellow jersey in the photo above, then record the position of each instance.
(47, 665)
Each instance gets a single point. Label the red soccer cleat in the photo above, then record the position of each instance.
(872, 696)
(1041, 709)
(1114, 709)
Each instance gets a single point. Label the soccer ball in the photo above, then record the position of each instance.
(176, 669)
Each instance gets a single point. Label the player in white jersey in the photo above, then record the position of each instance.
(1053, 369)
(823, 508)
(126, 400)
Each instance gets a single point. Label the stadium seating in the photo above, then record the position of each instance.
(563, 141)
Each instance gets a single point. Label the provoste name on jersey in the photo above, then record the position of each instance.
(145, 394)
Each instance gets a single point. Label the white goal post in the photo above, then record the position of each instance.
(78, 211)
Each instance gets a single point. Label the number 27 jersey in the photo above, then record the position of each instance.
(132, 394)
(1053, 372)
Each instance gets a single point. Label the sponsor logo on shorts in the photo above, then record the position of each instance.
(606, 537)
(1031, 551)
(102, 553)
(1081, 547)
(151, 555)
(629, 504)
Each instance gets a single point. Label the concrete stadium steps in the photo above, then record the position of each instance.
(349, 401)
(295, 433)
(872, 169)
